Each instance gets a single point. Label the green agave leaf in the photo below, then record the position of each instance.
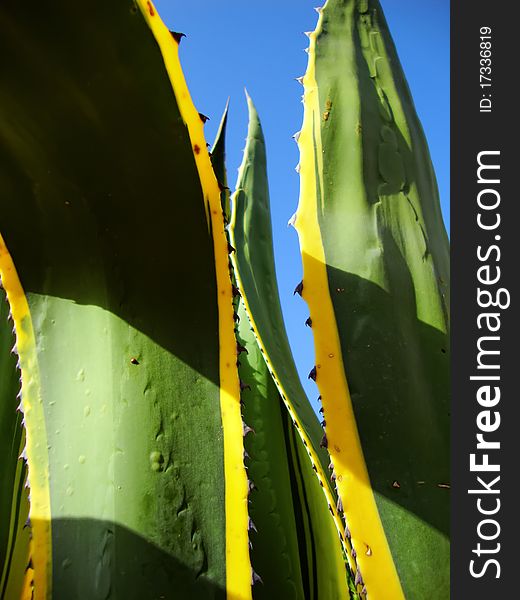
(255, 271)
(218, 160)
(114, 260)
(14, 507)
(295, 547)
(376, 274)
(275, 553)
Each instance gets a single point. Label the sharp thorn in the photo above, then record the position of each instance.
(298, 289)
(203, 118)
(324, 442)
(222, 187)
(312, 375)
(255, 578)
(308, 322)
(246, 429)
(177, 36)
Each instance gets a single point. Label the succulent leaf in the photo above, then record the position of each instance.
(218, 160)
(295, 546)
(286, 461)
(125, 335)
(250, 231)
(14, 506)
(376, 269)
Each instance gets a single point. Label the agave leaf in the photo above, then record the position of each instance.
(295, 545)
(114, 259)
(14, 508)
(218, 160)
(296, 548)
(253, 260)
(275, 553)
(375, 257)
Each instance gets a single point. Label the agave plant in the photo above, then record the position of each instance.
(156, 439)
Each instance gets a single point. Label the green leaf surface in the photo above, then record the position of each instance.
(386, 254)
(102, 210)
(14, 508)
(295, 548)
(218, 160)
(275, 553)
(251, 235)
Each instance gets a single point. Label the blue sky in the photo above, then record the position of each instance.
(232, 44)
